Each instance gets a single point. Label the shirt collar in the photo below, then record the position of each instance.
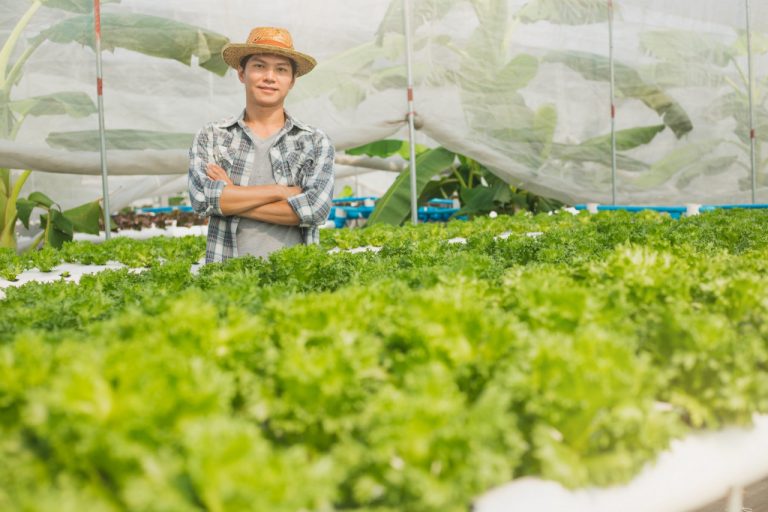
(290, 122)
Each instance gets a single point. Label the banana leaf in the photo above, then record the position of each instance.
(85, 218)
(590, 153)
(61, 230)
(629, 84)
(380, 148)
(484, 199)
(348, 96)
(424, 11)
(75, 104)
(355, 62)
(150, 35)
(544, 125)
(24, 209)
(7, 120)
(564, 12)
(78, 6)
(626, 139)
(683, 47)
(674, 162)
(395, 205)
(89, 140)
(517, 73)
(710, 167)
(693, 74)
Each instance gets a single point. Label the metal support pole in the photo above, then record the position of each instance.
(751, 87)
(102, 132)
(613, 101)
(411, 113)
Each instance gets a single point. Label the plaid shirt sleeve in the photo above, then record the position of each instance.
(204, 193)
(313, 205)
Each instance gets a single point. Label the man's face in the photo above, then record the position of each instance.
(267, 79)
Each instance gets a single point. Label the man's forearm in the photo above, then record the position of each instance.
(277, 212)
(236, 200)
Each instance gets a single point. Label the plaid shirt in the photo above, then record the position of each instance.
(301, 156)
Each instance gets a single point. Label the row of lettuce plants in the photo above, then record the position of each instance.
(413, 378)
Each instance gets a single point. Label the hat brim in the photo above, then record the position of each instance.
(234, 53)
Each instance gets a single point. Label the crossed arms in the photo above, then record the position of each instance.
(266, 203)
(213, 193)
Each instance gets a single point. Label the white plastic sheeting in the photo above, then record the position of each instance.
(698, 470)
(520, 85)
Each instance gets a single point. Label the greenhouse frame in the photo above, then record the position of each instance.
(608, 353)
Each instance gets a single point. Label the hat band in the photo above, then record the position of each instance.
(272, 42)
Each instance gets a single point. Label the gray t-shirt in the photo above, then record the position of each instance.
(262, 238)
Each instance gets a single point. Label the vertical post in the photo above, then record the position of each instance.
(411, 113)
(612, 67)
(102, 132)
(736, 499)
(751, 87)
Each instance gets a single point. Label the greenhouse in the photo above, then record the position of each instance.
(535, 279)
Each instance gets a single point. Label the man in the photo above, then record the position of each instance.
(264, 178)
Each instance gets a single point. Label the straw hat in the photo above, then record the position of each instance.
(272, 40)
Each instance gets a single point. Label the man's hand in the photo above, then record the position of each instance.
(217, 173)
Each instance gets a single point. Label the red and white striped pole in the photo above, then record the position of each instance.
(751, 87)
(102, 132)
(613, 101)
(411, 113)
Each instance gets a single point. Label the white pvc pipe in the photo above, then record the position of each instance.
(411, 127)
(736, 499)
(102, 131)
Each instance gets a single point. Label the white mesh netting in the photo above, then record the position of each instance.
(522, 86)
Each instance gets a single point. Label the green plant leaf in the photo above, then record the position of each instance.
(517, 73)
(347, 95)
(759, 42)
(61, 229)
(353, 64)
(5, 193)
(75, 104)
(591, 153)
(484, 199)
(424, 11)
(626, 139)
(381, 148)
(41, 199)
(79, 6)
(678, 46)
(7, 119)
(629, 84)
(24, 209)
(544, 125)
(395, 205)
(565, 12)
(674, 162)
(692, 74)
(151, 35)
(710, 167)
(85, 218)
(89, 140)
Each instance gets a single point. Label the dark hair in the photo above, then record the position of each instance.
(244, 61)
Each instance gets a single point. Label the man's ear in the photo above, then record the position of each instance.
(241, 74)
